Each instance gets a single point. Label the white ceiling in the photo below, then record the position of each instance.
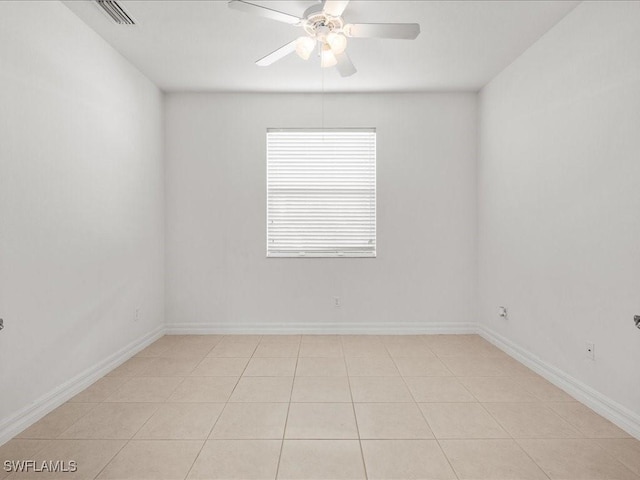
(205, 46)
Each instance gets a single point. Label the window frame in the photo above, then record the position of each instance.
(337, 254)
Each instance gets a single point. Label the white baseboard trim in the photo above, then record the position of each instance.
(24, 418)
(611, 410)
(386, 328)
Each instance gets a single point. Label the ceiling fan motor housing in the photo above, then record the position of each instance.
(318, 24)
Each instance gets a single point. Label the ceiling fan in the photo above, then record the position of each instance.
(324, 25)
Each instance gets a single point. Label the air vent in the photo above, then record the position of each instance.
(115, 12)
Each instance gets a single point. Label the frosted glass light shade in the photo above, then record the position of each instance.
(337, 42)
(304, 47)
(327, 58)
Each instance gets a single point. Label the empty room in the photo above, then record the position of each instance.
(319, 239)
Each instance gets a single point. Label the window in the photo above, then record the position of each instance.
(321, 193)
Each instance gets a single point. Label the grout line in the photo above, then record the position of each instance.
(195, 459)
(425, 418)
(353, 407)
(513, 439)
(286, 419)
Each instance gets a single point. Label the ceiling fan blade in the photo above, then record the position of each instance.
(277, 54)
(335, 8)
(407, 31)
(264, 11)
(345, 65)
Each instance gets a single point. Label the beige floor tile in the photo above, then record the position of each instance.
(271, 367)
(421, 367)
(309, 339)
(448, 345)
(132, 367)
(20, 448)
(145, 389)
(201, 340)
(438, 389)
(461, 420)
(153, 460)
(496, 389)
(181, 421)
(171, 339)
(360, 340)
(111, 421)
(251, 421)
(379, 389)
(625, 450)
(513, 368)
(280, 339)
(405, 460)
(321, 460)
(56, 422)
(204, 390)
(403, 340)
(156, 349)
(321, 349)
(170, 367)
(409, 350)
(241, 338)
(575, 460)
(277, 350)
(100, 390)
(587, 421)
(371, 367)
(475, 366)
(490, 460)
(463, 348)
(531, 420)
(181, 350)
(321, 389)
(220, 367)
(542, 389)
(321, 367)
(237, 460)
(90, 456)
(17, 450)
(262, 389)
(321, 421)
(391, 421)
(235, 350)
(365, 350)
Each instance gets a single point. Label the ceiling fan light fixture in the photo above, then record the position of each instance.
(304, 47)
(337, 42)
(327, 57)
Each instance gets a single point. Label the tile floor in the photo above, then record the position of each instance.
(326, 407)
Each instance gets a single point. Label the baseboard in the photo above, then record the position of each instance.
(386, 328)
(15, 424)
(611, 410)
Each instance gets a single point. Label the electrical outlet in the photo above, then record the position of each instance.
(336, 301)
(502, 312)
(136, 317)
(590, 350)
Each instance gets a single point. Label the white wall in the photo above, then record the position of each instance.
(81, 202)
(559, 198)
(217, 273)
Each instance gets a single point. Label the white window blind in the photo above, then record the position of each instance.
(321, 193)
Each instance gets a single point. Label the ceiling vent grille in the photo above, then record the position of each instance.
(115, 12)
